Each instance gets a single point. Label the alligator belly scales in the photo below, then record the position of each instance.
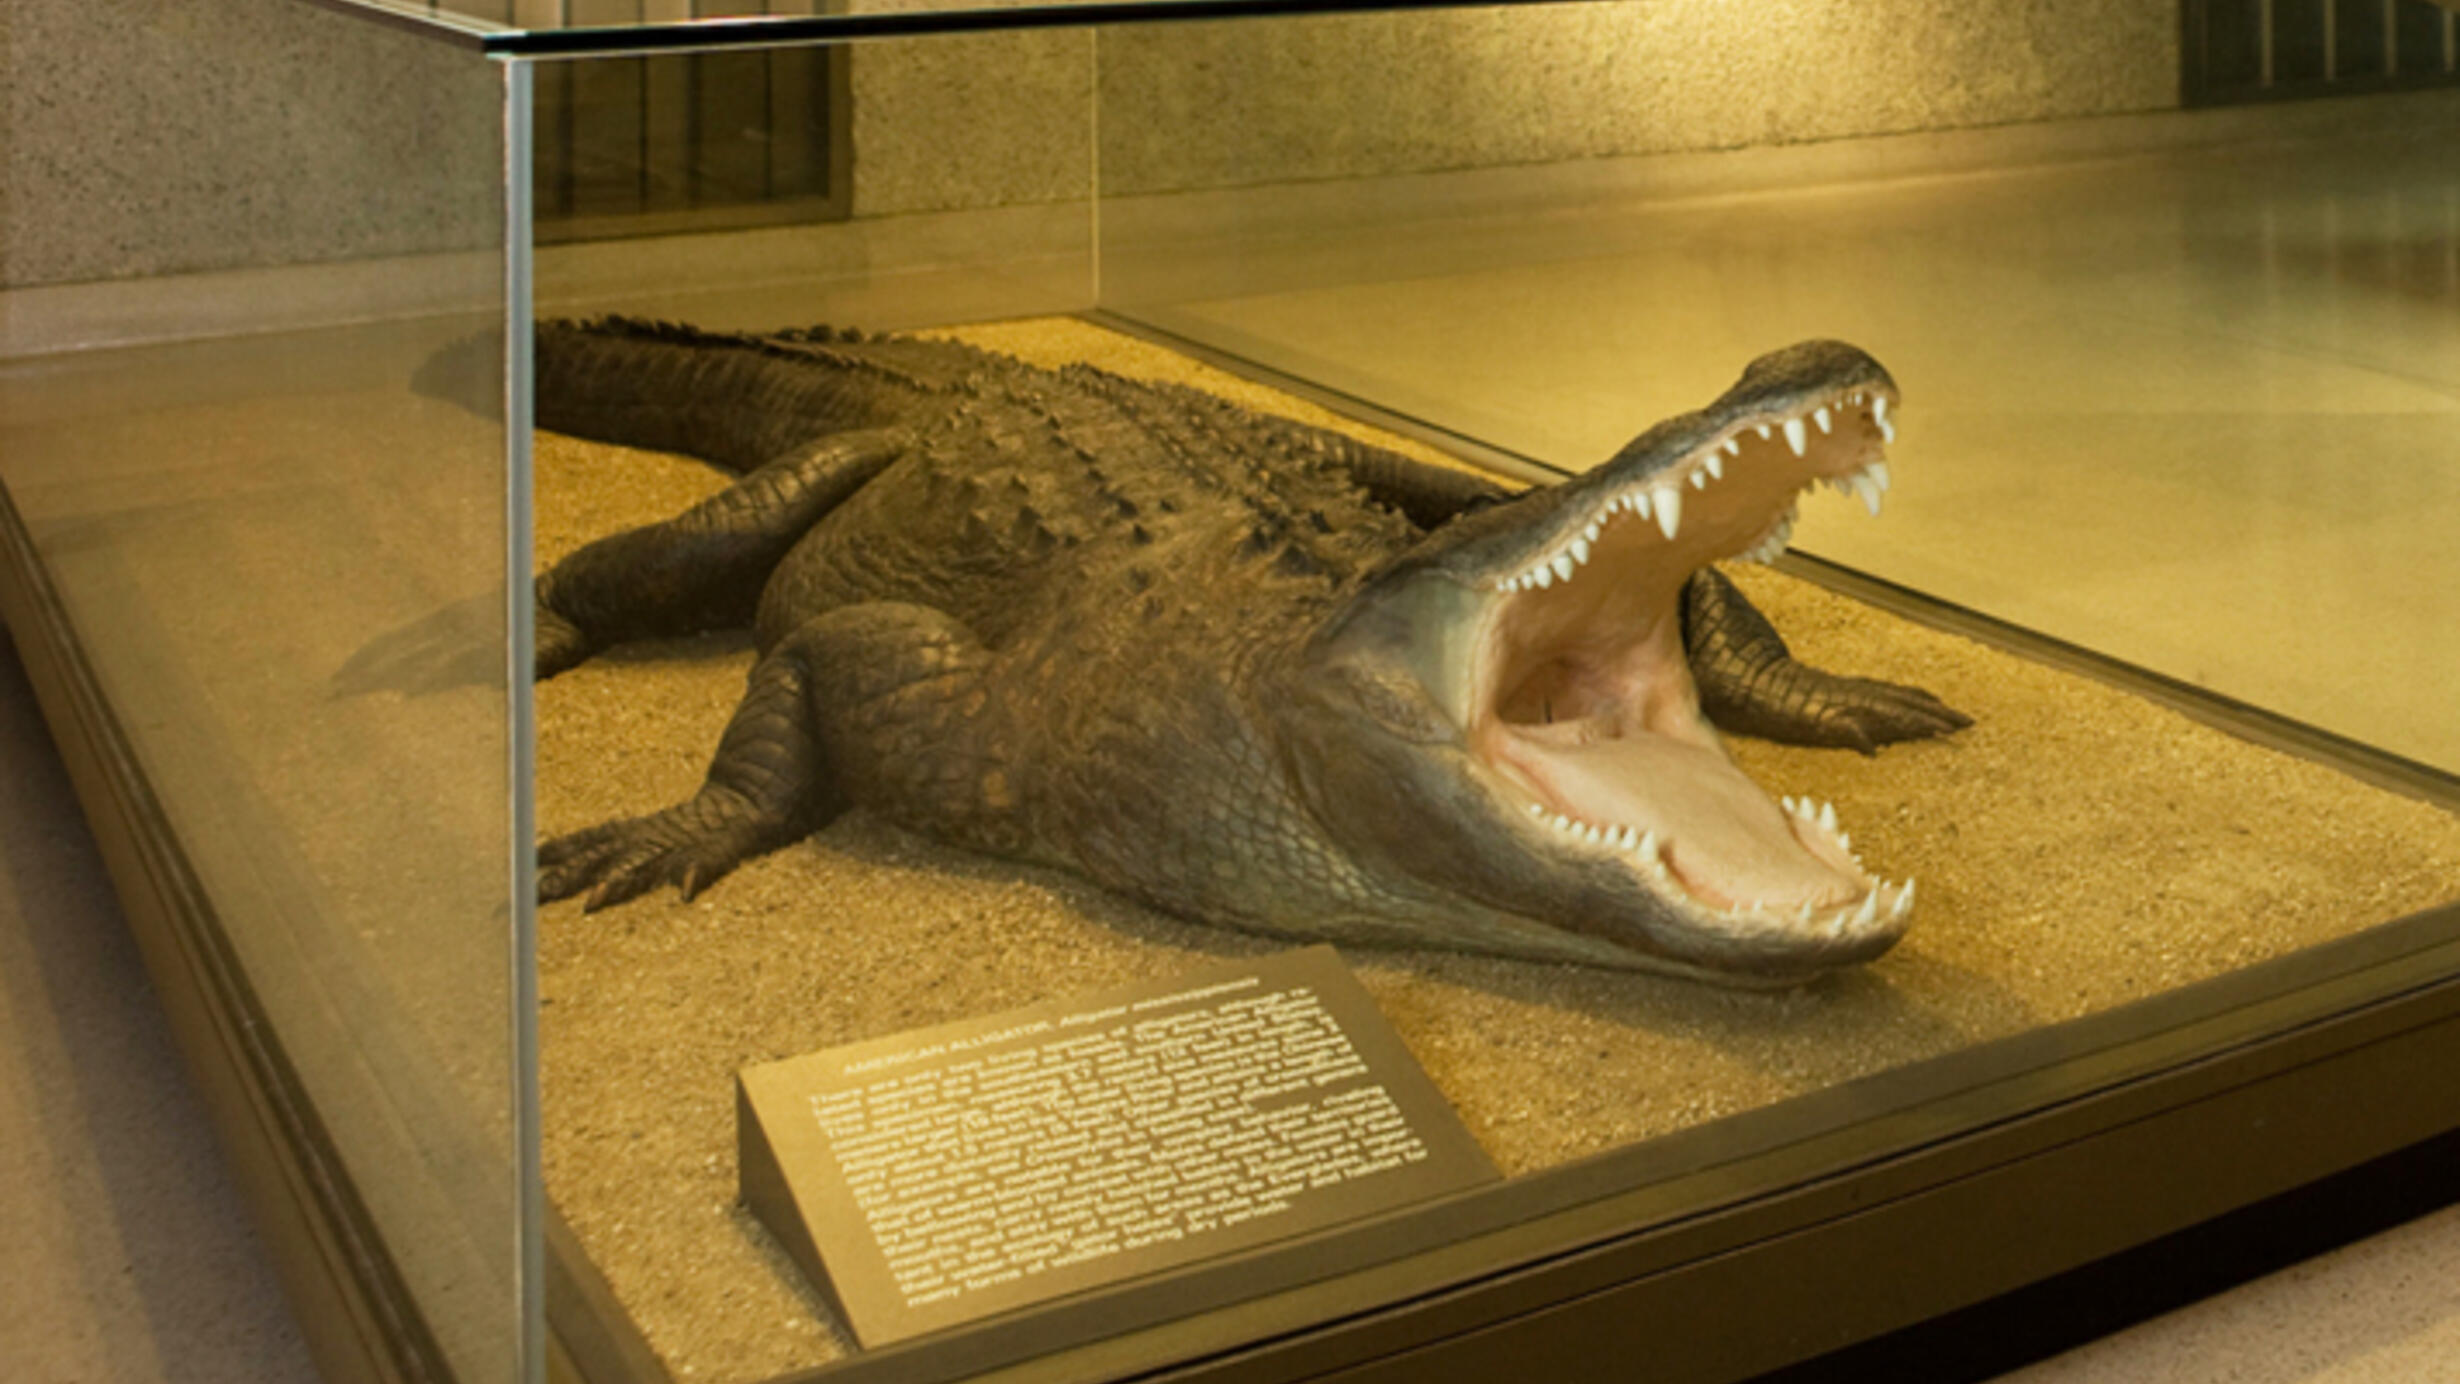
(1249, 671)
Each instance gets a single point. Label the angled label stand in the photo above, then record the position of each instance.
(951, 1173)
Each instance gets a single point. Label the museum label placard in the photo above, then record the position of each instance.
(949, 1173)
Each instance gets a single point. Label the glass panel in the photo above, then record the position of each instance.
(968, 199)
(242, 518)
(2234, 356)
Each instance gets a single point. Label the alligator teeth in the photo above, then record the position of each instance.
(1596, 525)
(1716, 465)
(1827, 818)
(1699, 480)
(1669, 503)
(1730, 447)
(1545, 577)
(1648, 847)
(1637, 503)
(1762, 429)
(1580, 549)
(1563, 566)
(1820, 416)
(1879, 415)
(1867, 491)
(1878, 472)
(1864, 916)
(1797, 436)
(1904, 901)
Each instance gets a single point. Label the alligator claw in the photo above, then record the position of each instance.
(690, 845)
(1866, 713)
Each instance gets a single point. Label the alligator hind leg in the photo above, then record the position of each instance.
(704, 568)
(1751, 683)
(877, 695)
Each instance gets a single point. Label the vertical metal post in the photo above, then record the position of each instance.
(2331, 40)
(2265, 19)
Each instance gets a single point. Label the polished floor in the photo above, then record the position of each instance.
(2196, 408)
(126, 1258)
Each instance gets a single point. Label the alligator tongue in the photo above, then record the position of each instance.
(1724, 840)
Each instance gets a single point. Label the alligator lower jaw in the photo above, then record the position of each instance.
(1587, 712)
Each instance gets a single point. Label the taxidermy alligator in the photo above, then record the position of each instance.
(1251, 672)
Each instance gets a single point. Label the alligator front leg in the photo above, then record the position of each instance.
(702, 569)
(870, 703)
(767, 786)
(1751, 683)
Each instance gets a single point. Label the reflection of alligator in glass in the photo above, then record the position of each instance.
(1247, 670)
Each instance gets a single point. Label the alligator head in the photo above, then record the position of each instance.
(1507, 714)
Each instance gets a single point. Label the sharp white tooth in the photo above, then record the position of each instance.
(1845, 843)
(1562, 823)
(1595, 526)
(1820, 416)
(1762, 429)
(1731, 447)
(1638, 503)
(1856, 397)
(1699, 480)
(1716, 467)
(1804, 916)
(1669, 503)
(1563, 566)
(1842, 919)
(1887, 431)
(1648, 846)
(1592, 835)
(1878, 472)
(1797, 436)
(1545, 577)
(1788, 802)
(1827, 817)
(1869, 911)
(1904, 901)
(1580, 550)
(1879, 412)
(1867, 493)
(1536, 811)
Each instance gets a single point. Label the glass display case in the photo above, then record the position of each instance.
(2169, 406)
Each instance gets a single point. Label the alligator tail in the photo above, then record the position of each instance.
(733, 400)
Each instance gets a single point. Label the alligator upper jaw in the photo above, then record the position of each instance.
(1576, 697)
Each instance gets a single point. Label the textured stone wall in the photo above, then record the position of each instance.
(978, 121)
(1225, 104)
(143, 137)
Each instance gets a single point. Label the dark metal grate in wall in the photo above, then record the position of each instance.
(2266, 50)
(687, 142)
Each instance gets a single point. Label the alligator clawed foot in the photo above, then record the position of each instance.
(690, 845)
(1868, 713)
